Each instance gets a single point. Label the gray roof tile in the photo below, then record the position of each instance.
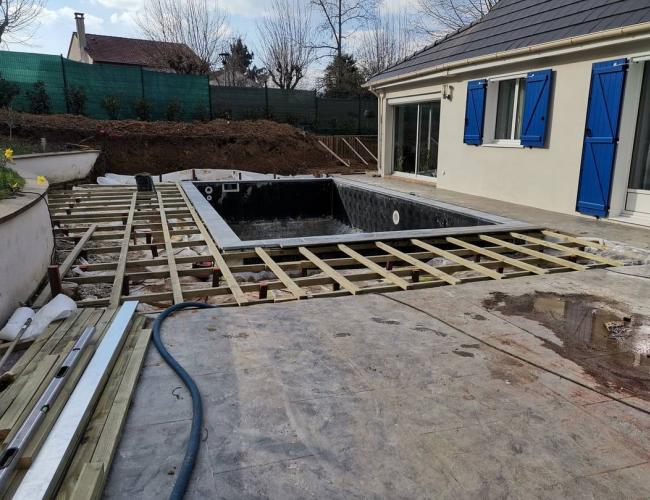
(513, 24)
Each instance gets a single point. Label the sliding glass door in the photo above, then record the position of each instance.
(638, 195)
(417, 128)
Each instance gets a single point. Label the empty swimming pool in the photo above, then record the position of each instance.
(289, 212)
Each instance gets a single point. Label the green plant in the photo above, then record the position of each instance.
(10, 181)
(76, 100)
(39, 101)
(142, 109)
(201, 113)
(174, 110)
(8, 92)
(111, 104)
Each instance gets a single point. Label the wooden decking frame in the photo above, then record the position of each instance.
(117, 221)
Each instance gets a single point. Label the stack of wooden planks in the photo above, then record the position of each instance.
(35, 369)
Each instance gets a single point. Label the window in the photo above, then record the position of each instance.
(509, 109)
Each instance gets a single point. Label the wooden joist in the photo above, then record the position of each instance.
(569, 250)
(497, 256)
(459, 260)
(396, 280)
(329, 271)
(169, 250)
(297, 292)
(118, 283)
(534, 253)
(419, 264)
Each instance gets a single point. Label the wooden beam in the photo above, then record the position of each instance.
(345, 162)
(354, 151)
(169, 250)
(569, 250)
(534, 253)
(497, 256)
(366, 148)
(459, 260)
(235, 289)
(396, 280)
(118, 282)
(329, 271)
(297, 292)
(574, 239)
(419, 264)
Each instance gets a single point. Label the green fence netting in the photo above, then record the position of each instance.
(188, 97)
(25, 69)
(298, 107)
(190, 93)
(101, 81)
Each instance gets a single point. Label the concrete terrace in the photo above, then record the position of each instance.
(497, 389)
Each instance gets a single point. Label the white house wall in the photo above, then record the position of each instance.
(541, 177)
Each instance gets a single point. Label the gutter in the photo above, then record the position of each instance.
(630, 32)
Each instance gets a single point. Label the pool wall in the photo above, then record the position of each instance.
(368, 208)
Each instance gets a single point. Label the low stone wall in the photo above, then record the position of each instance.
(26, 244)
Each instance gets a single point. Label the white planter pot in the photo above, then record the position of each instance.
(57, 167)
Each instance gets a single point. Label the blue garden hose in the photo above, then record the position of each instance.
(185, 473)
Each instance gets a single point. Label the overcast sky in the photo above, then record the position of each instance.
(117, 17)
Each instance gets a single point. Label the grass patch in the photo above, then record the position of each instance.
(10, 182)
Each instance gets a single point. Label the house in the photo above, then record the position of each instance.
(150, 54)
(541, 102)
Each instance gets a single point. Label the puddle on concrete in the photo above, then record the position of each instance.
(597, 333)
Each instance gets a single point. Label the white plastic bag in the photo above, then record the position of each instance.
(60, 307)
(15, 323)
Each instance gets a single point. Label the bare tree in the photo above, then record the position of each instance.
(198, 24)
(339, 18)
(18, 16)
(386, 40)
(438, 17)
(286, 40)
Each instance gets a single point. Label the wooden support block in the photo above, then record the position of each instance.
(264, 290)
(216, 277)
(415, 276)
(54, 279)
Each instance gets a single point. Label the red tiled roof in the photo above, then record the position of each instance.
(119, 50)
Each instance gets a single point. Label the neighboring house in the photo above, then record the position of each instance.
(98, 49)
(542, 102)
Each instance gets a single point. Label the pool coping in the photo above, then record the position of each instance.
(226, 238)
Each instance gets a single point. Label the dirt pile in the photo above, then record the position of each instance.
(131, 146)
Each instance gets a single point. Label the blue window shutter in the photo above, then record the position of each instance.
(536, 108)
(475, 111)
(601, 137)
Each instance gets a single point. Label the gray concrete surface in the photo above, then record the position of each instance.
(637, 236)
(484, 390)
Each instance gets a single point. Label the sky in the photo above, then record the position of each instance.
(117, 17)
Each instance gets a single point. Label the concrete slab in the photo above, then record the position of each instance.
(436, 393)
(637, 236)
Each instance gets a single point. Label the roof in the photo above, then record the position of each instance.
(516, 24)
(120, 50)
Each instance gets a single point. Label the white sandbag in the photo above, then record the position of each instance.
(16, 322)
(60, 307)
